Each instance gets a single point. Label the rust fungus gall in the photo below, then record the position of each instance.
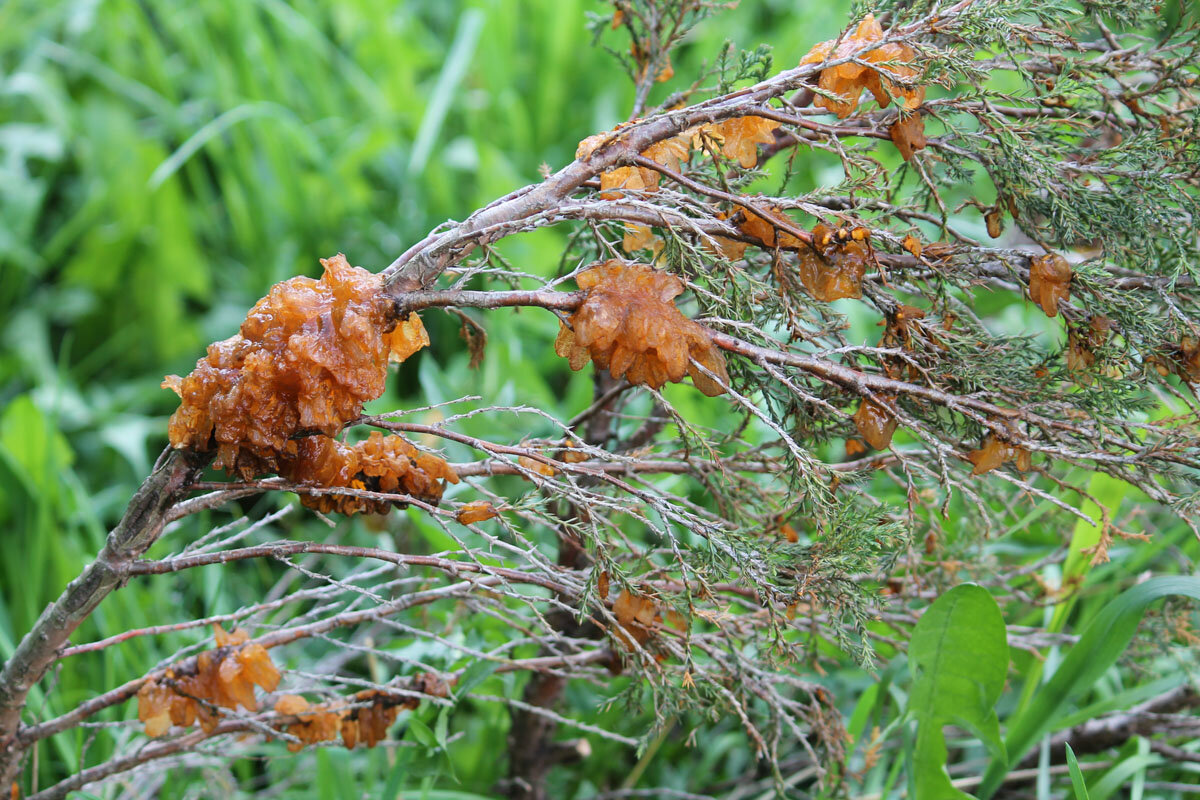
(308, 355)
(629, 325)
(1049, 281)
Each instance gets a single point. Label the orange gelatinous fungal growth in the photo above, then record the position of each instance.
(995, 222)
(1049, 281)
(308, 356)
(388, 464)
(741, 137)
(363, 717)
(640, 237)
(765, 228)
(1082, 345)
(1188, 359)
(847, 81)
(875, 423)
(540, 467)
(913, 245)
(669, 153)
(908, 134)
(834, 266)
(637, 615)
(476, 511)
(629, 325)
(224, 677)
(571, 452)
(369, 723)
(730, 249)
(315, 723)
(995, 452)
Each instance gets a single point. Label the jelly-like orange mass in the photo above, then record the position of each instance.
(908, 134)
(995, 452)
(308, 355)
(765, 229)
(847, 81)
(738, 137)
(369, 722)
(637, 615)
(742, 135)
(476, 511)
(224, 677)
(388, 464)
(834, 266)
(1049, 281)
(629, 325)
(875, 423)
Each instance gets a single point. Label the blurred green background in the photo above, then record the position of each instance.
(163, 163)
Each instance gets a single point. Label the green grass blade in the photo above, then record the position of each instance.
(1077, 781)
(1098, 649)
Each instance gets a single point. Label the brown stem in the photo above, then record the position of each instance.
(140, 526)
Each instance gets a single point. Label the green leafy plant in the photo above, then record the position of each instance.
(958, 656)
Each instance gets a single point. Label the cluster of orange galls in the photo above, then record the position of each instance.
(222, 678)
(225, 677)
(308, 355)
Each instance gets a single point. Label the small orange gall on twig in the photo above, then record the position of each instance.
(629, 325)
(476, 511)
(533, 465)
(1049, 281)
(875, 423)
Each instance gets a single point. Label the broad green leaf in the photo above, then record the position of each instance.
(1101, 644)
(958, 657)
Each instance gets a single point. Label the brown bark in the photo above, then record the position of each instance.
(140, 526)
